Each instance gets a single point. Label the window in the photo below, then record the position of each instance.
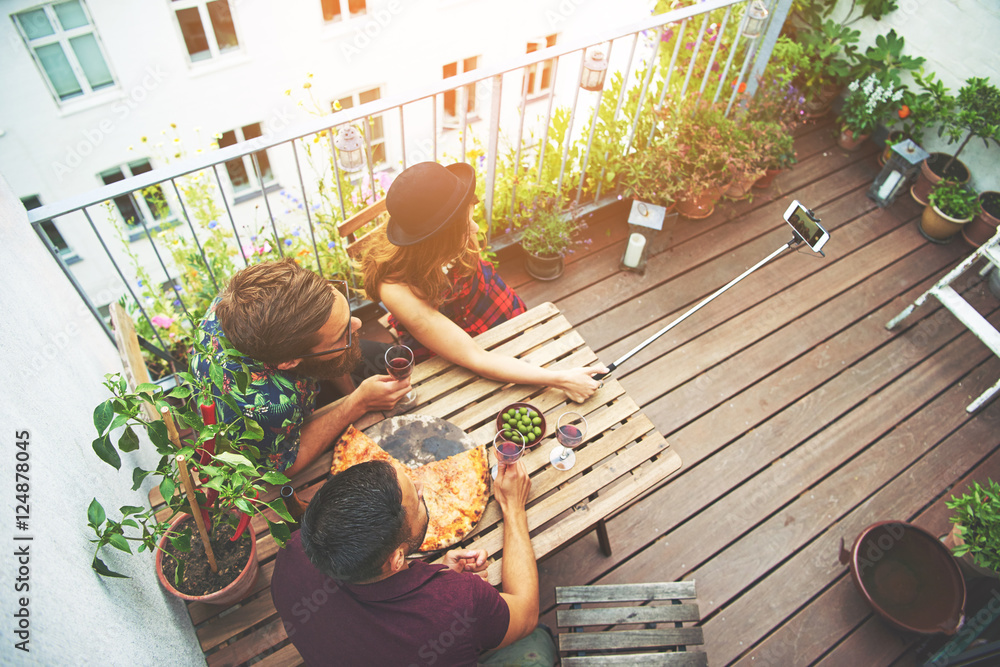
(540, 74)
(207, 26)
(51, 232)
(451, 96)
(149, 207)
(241, 170)
(64, 44)
(338, 10)
(376, 132)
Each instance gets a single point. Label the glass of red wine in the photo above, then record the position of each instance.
(399, 364)
(571, 429)
(507, 450)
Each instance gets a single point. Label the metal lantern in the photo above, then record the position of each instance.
(904, 161)
(351, 148)
(755, 18)
(595, 66)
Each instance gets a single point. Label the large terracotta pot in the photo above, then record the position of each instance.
(698, 206)
(740, 187)
(543, 267)
(234, 592)
(984, 226)
(850, 140)
(932, 173)
(938, 227)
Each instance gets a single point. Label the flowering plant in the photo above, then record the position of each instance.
(550, 231)
(867, 103)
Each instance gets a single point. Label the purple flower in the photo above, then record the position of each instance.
(140, 282)
(162, 321)
(177, 303)
(689, 46)
(288, 242)
(213, 224)
(331, 245)
(667, 35)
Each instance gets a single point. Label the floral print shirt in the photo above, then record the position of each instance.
(278, 400)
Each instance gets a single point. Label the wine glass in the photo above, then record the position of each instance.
(571, 428)
(507, 451)
(399, 364)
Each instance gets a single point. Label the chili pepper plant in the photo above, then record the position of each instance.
(223, 457)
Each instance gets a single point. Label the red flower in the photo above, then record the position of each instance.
(742, 88)
(904, 111)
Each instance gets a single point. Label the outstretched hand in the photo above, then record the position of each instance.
(381, 392)
(579, 383)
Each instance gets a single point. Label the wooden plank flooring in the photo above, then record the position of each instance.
(799, 418)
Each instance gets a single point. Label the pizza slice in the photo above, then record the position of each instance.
(456, 489)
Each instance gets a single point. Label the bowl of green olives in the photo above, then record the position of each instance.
(524, 419)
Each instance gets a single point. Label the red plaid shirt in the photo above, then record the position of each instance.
(476, 302)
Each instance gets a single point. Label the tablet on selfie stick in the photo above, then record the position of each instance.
(806, 226)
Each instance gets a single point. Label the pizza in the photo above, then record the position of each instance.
(456, 489)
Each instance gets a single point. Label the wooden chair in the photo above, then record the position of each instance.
(358, 245)
(589, 641)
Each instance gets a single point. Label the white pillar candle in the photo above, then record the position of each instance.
(633, 253)
(889, 184)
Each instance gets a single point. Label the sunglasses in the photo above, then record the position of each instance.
(340, 286)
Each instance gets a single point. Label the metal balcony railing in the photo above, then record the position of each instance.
(644, 74)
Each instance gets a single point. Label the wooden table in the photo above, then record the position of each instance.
(622, 458)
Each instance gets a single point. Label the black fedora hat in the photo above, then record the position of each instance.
(425, 198)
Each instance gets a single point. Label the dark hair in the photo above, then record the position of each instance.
(355, 522)
(272, 311)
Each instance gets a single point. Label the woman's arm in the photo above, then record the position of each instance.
(445, 338)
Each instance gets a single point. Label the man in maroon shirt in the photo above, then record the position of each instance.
(348, 595)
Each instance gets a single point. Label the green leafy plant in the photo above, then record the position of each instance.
(867, 104)
(222, 456)
(885, 59)
(954, 199)
(650, 175)
(924, 106)
(978, 514)
(829, 51)
(551, 229)
(976, 113)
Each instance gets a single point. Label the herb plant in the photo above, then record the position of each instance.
(978, 514)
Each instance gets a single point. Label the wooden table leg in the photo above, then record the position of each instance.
(602, 538)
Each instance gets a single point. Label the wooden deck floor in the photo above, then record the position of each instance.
(799, 418)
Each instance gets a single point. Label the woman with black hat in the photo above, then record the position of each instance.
(427, 271)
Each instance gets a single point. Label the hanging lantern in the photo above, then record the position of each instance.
(755, 18)
(351, 148)
(595, 66)
(904, 162)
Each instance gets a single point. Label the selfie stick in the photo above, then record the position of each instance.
(619, 361)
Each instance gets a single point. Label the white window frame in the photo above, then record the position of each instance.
(345, 12)
(64, 249)
(453, 120)
(253, 185)
(538, 69)
(62, 37)
(373, 141)
(139, 203)
(206, 25)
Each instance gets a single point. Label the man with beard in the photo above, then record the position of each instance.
(294, 331)
(348, 595)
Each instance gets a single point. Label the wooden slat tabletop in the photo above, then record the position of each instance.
(622, 458)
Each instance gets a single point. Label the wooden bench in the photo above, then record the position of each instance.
(588, 641)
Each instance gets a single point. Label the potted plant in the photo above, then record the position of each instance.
(650, 175)
(780, 154)
(748, 156)
(975, 112)
(975, 537)
(702, 136)
(867, 103)
(828, 52)
(547, 238)
(952, 205)
(984, 225)
(222, 457)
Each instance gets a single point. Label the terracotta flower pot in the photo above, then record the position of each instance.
(938, 227)
(966, 563)
(698, 206)
(543, 267)
(765, 181)
(740, 187)
(984, 226)
(932, 172)
(850, 140)
(234, 592)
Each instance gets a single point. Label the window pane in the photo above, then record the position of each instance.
(54, 236)
(378, 153)
(238, 174)
(153, 195)
(35, 24)
(126, 206)
(331, 10)
(369, 95)
(31, 201)
(264, 164)
(346, 102)
(222, 24)
(194, 34)
(376, 128)
(88, 53)
(251, 131)
(56, 66)
(356, 7)
(71, 15)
